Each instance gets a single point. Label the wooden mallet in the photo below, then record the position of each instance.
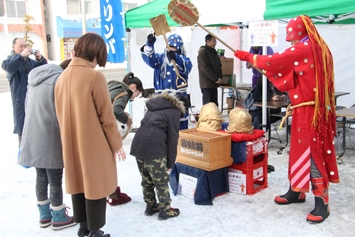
(185, 13)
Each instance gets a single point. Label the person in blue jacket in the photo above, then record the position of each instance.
(164, 73)
(165, 76)
(17, 67)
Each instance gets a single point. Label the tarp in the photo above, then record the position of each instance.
(226, 12)
(69, 28)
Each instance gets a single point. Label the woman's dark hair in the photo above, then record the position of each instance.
(91, 46)
(65, 63)
(131, 79)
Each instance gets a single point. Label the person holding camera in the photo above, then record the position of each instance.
(17, 67)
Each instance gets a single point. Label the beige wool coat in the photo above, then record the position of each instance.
(88, 130)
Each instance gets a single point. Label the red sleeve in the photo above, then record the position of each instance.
(280, 67)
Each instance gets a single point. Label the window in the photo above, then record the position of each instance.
(15, 8)
(74, 7)
(2, 8)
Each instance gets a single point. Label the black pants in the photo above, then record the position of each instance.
(209, 95)
(53, 177)
(258, 120)
(93, 212)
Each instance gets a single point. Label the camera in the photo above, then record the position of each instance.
(34, 51)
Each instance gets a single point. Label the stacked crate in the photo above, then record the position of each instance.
(250, 176)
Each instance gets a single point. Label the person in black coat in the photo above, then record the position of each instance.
(155, 149)
(209, 70)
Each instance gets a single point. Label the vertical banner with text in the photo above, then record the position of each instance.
(112, 29)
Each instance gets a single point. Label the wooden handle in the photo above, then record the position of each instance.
(175, 67)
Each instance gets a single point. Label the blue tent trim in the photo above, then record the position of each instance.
(72, 28)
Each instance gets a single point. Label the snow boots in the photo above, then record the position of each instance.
(321, 198)
(45, 217)
(151, 209)
(321, 210)
(290, 197)
(83, 229)
(118, 198)
(84, 232)
(168, 213)
(60, 218)
(98, 233)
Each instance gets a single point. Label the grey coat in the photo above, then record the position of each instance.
(41, 146)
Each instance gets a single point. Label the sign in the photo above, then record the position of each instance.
(112, 29)
(237, 181)
(263, 33)
(187, 185)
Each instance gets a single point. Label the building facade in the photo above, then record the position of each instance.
(56, 24)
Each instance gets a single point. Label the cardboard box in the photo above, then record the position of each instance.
(228, 80)
(206, 150)
(227, 66)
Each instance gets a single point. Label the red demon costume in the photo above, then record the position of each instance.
(305, 72)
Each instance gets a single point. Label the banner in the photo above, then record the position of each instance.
(112, 29)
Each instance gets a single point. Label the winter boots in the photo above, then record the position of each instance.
(98, 233)
(290, 197)
(45, 217)
(84, 232)
(151, 209)
(168, 213)
(60, 218)
(321, 197)
(321, 210)
(83, 229)
(118, 198)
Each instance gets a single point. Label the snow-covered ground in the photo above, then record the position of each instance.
(230, 215)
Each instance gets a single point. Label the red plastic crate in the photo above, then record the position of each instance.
(256, 176)
(254, 153)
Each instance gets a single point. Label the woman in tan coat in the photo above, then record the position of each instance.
(89, 134)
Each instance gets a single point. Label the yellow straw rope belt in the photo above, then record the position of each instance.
(290, 108)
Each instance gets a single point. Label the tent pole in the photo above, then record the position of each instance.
(264, 97)
(83, 13)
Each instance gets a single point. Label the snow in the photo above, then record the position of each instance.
(231, 214)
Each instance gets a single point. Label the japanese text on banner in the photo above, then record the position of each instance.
(112, 29)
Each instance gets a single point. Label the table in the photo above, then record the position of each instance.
(243, 86)
(345, 113)
(238, 86)
(209, 183)
(275, 104)
(223, 88)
